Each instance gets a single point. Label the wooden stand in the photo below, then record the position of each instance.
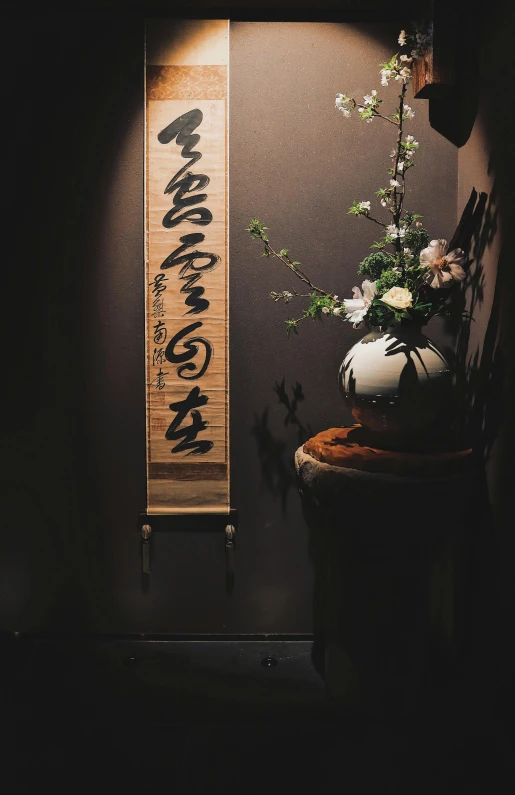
(386, 532)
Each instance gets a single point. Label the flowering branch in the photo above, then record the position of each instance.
(257, 230)
(374, 220)
(386, 118)
(410, 284)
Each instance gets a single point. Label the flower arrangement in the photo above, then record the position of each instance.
(407, 278)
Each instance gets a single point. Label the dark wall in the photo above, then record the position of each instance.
(482, 164)
(74, 416)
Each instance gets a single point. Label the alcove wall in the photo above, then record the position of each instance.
(74, 421)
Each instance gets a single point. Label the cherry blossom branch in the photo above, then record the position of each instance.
(398, 207)
(386, 118)
(292, 266)
(365, 215)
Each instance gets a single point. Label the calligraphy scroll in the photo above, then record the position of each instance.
(186, 266)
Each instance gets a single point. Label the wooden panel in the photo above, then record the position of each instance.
(186, 268)
(434, 75)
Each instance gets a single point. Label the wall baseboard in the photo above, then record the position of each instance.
(157, 637)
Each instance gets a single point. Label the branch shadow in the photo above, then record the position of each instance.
(274, 451)
(478, 373)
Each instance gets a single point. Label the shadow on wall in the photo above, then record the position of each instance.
(274, 452)
(477, 409)
(477, 412)
(486, 374)
(500, 341)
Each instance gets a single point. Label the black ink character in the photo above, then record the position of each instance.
(159, 308)
(159, 333)
(157, 285)
(158, 357)
(159, 380)
(188, 434)
(182, 129)
(200, 216)
(190, 352)
(192, 270)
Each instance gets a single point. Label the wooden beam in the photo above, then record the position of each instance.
(434, 75)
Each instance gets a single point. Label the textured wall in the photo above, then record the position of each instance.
(485, 163)
(75, 419)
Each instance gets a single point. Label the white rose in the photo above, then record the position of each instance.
(398, 297)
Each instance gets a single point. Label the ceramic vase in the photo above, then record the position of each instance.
(397, 383)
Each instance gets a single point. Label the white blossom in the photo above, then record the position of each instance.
(337, 310)
(384, 203)
(407, 112)
(406, 59)
(364, 207)
(341, 103)
(407, 251)
(395, 183)
(409, 154)
(404, 74)
(386, 75)
(325, 310)
(444, 268)
(402, 38)
(360, 109)
(369, 99)
(357, 307)
(400, 166)
(395, 231)
(369, 120)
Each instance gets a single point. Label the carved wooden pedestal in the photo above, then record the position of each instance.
(386, 530)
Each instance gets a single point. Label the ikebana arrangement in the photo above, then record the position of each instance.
(407, 278)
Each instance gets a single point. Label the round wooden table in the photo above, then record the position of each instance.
(386, 530)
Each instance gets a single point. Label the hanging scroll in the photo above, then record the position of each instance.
(186, 266)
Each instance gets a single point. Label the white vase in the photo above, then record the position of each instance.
(396, 383)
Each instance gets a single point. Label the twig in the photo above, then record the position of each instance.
(373, 219)
(289, 264)
(386, 118)
(398, 210)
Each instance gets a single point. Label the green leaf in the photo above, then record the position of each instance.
(291, 325)
(256, 228)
